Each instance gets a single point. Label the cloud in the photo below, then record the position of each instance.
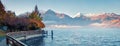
(93, 14)
(63, 26)
(98, 24)
(49, 21)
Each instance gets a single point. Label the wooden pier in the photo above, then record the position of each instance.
(10, 41)
(13, 38)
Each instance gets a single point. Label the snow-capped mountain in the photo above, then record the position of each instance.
(108, 19)
(105, 17)
(52, 17)
(57, 18)
(81, 19)
(77, 15)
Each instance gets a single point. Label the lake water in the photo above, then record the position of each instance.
(79, 37)
(2, 41)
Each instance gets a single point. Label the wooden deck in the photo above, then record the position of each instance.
(13, 38)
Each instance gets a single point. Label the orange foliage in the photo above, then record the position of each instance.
(20, 23)
(39, 23)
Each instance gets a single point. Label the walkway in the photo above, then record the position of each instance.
(15, 37)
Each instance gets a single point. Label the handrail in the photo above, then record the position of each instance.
(12, 41)
(12, 37)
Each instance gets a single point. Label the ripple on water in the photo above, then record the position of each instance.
(84, 38)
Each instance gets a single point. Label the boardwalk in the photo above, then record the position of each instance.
(23, 33)
(15, 37)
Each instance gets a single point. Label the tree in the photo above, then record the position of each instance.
(14, 23)
(10, 14)
(2, 9)
(35, 20)
(2, 13)
(35, 14)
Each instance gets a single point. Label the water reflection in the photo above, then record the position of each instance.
(2, 41)
(80, 37)
(37, 41)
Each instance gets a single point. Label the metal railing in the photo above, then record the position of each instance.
(13, 42)
(11, 37)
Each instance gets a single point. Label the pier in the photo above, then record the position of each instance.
(13, 38)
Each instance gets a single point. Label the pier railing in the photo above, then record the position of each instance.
(13, 42)
(11, 37)
(23, 33)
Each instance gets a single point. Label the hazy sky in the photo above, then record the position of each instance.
(70, 7)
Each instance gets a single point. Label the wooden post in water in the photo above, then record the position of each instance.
(47, 33)
(52, 34)
(43, 32)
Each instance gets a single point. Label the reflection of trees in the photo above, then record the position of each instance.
(35, 41)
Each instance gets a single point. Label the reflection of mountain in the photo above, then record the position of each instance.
(51, 17)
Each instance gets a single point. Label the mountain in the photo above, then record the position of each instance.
(77, 15)
(115, 23)
(108, 19)
(105, 17)
(81, 19)
(51, 17)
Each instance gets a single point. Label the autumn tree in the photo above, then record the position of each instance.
(10, 14)
(35, 20)
(2, 13)
(13, 22)
(35, 14)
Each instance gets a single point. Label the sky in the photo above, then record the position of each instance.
(70, 7)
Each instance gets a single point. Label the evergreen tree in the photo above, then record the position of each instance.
(35, 14)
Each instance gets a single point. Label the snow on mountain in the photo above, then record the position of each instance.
(77, 15)
(52, 17)
(57, 18)
(105, 17)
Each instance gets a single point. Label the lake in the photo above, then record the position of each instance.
(2, 41)
(79, 37)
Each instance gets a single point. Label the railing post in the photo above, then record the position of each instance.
(7, 40)
(13, 42)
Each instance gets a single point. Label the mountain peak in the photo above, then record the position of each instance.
(109, 14)
(49, 10)
(78, 15)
